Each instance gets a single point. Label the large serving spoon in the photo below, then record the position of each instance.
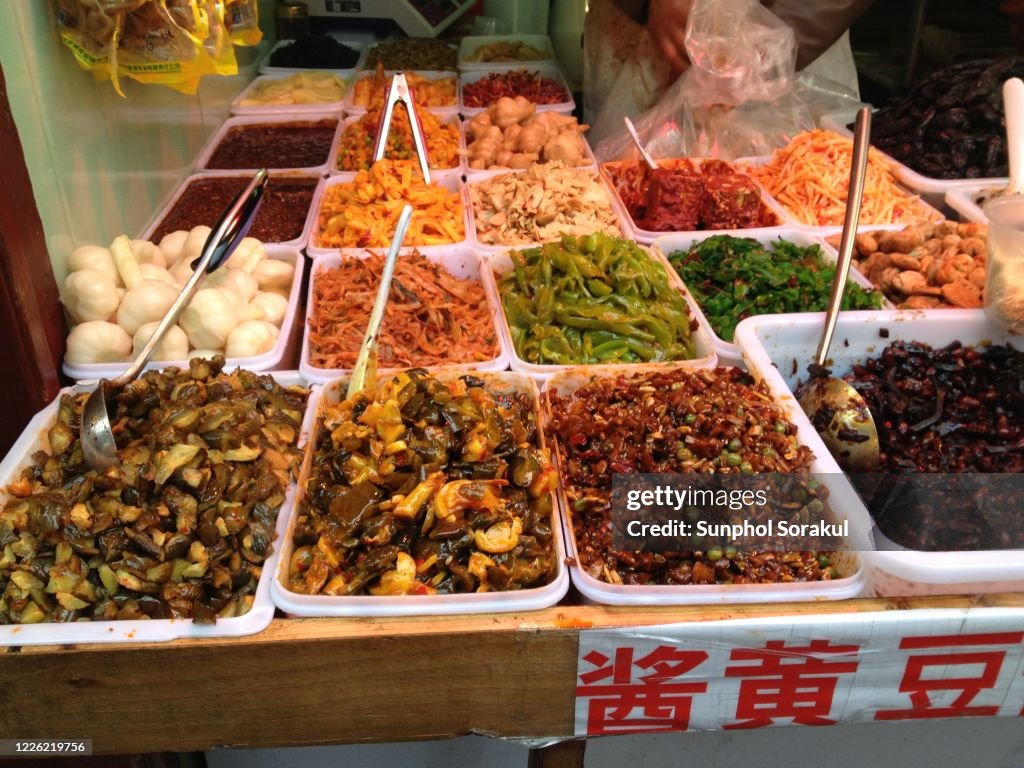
(835, 408)
(364, 374)
(1013, 105)
(96, 435)
(651, 162)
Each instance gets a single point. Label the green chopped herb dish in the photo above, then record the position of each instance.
(594, 299)
(733, 278)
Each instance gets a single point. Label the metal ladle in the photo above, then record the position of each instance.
(835, 408)
(96, 435)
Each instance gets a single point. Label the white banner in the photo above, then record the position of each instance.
(814, 670)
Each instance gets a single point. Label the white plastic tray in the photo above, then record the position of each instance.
(296, 604)
(544, 70)
(728, 352)
(298, 243)
(850, 563)
(237, 108)
(778, 349)
(648, 236)
(349, 72)
(351, 108)
(705, 349)
(470, 44)
(264, 362)
(621, 218)
(451, 181)
(463, 264)
(231, 122)
(366, 65)
(930, 188)
(435, 173)
(960, 197)
(33, 439)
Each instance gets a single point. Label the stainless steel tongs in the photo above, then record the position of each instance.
(399, 91)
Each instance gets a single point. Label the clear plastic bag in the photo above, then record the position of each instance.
(740, 97)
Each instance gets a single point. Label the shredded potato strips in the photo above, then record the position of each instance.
(363, 213)
(810, 176)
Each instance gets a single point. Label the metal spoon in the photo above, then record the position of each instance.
(835, 408)
(651, 163)
(365, 372)
(96, 434)
(1013, 104)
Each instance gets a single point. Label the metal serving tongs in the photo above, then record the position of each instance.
(399, 91)
(96, 434)
(364, 375)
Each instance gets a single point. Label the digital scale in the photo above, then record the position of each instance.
(417, 18)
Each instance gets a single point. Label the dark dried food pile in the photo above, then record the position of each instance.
(315, 52)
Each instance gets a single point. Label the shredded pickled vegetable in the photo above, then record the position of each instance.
(363, 213)
(432, 317)
(810, 176)
(442, 140)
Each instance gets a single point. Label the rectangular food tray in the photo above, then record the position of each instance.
(850, 563)
(231, 122)
(436, 174)
(237, 108)
(463, 264)
(479, 174)
(544, 70)
(295, 604)
(298, 243)
(648, 236)
(470, 44)
(450, 181)
(728, 352)
(33, 439)
(264, 362)
(499, 264)
(778, 349)
(351, 108)
(961, 198)
(346, 72)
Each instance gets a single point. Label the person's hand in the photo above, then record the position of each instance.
(666, 22)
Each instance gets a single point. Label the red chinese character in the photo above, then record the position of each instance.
(920, 685)
(794, 682)
(662, 705)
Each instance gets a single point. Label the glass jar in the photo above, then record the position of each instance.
(1004, 270)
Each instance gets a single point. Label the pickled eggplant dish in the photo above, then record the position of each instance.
(432, 486)
(181, 529)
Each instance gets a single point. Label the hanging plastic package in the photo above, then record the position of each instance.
(740, 96)
(242, 18)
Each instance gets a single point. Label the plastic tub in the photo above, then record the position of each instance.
(648, 236)
(348, 73)
(544, 70)
(961, 198)
(351, 108)
(850, 564)
(298, 243)
(237, 108)
(622, 220)
(32, 439)
(451, 181)
(461, 263)
(264, 362)
(932, 189)
(728, 352)
(435, 173)
(705, 348)
(476, 174)
(470, 44)
(231, 122)
(295, 604)
(778, 349)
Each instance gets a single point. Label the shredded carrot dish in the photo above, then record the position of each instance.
(363, 213)
(810, 176)
(370, 90)
(432, 317)
(442, 139)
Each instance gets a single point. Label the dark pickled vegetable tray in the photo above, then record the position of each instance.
(778, 349)
(851, 571)
(296, 604)
(320, 132)
(144, 629)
